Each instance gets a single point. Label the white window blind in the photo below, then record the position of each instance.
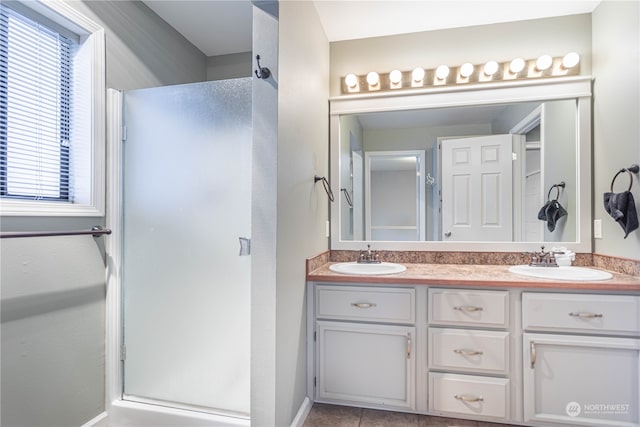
(35, 119)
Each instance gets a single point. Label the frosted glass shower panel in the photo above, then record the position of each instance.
(187, 201)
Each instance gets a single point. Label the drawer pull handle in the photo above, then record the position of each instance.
(408, 346)
(469, 398)
(532, 351)
(363, 304)
(467, 308)
(465, 352)
(585, 315)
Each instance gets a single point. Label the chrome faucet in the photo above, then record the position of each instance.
(543, 259)
(368, 256)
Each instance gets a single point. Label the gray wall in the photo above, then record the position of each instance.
(303, 89)
(230, 66)
(53, 289)
(616, 109)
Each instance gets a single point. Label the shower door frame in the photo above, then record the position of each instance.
(116, 406)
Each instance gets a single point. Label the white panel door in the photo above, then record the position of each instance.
(581, 380)
(361, 363)
(477, 188)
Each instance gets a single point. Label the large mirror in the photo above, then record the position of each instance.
(477, 168)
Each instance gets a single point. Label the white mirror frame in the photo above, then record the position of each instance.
(578, 88)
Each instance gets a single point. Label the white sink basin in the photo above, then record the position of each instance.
(576, 274)
(367, 269)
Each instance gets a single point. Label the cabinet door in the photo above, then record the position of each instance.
(581, 380)
(371, 364)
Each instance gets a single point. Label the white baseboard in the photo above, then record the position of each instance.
(301, 416)
(101, 420)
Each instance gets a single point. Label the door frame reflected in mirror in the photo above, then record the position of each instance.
(575, 88)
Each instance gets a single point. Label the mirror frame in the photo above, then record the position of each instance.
(578, 88)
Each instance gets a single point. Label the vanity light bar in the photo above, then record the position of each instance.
(491, 71)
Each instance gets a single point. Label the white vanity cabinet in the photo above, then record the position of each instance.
(365, 346)
(469, 353)
(581, 359)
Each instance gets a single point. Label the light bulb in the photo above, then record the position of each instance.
(395, 77)
(351, 80)
(490, 68)
(517, 65)
(417, 74)
(570, 60)
(544, 62)
(442, 72)
(373, 78)
(466, 69)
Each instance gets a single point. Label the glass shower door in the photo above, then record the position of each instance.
(186, 285)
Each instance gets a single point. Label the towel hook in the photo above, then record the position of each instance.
(325, 184)
(633, 168)
(347, 196)
(262, 72)
(557, 187)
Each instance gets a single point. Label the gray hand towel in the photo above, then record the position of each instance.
(622, 208)
(551, 212)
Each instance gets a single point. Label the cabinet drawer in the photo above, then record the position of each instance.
(467, 307)
(469, 395)
(469, 351)
(388, 305)
(615, 314)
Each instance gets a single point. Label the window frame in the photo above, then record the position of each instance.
(89, 118)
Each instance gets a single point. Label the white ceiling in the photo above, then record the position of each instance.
(219, 27)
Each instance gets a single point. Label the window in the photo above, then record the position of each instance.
(52, 111)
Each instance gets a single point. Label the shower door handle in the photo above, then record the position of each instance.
(245, 246)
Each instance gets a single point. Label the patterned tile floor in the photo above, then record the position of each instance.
(323, 415)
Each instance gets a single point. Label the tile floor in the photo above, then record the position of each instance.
(323, 415)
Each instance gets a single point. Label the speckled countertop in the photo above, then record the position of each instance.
(472, 275)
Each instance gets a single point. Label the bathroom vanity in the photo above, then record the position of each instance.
(477, 342)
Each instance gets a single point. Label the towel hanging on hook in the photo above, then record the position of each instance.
(622, 206)
(325, 184)
(552, 211)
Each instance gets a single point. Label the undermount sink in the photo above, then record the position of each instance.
(367, 269)
(577, 274)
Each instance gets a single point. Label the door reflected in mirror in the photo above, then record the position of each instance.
(473, 173)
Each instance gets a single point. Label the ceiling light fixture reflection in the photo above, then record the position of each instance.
(490, 68)
(517, 65)
(544, 62)
(466, 69)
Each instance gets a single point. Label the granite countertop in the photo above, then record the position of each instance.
(474, 275)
